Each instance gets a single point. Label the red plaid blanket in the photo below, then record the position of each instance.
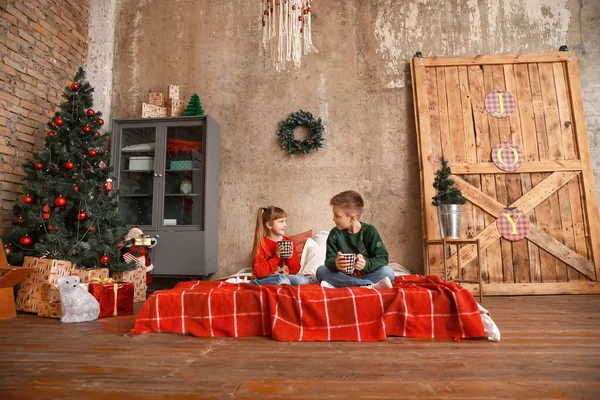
(417, 306)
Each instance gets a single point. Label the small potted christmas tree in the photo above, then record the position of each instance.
(194, 107)
(448, 201)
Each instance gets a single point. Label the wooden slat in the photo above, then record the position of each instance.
(430, 228)
(531, 155)
(494, 59)
(513, 182)
(526, 203)
(582, 146)
(442, 102)
(455, 115)
(548, 263)
(504, 135)
(527, 167)
(570, 211)
(556, 152)
(483, 149)
(511, 289)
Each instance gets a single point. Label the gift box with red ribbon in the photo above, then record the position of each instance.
(115, 298)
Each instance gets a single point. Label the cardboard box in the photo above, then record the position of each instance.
(156, 99)
(152, 111)
(138, 277)
(173, 92)
(10, 277)
(175, 107)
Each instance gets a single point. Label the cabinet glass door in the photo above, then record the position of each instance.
(136, 174)
(184, 177)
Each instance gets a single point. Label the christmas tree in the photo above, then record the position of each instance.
(446, 192)
(194, 107)
(69, 211)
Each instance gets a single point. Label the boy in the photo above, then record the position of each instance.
(350, 236)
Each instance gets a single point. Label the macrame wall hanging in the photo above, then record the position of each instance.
(287, 31)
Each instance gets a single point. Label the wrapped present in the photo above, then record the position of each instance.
(49, 309)
(115, 299)
(152, 111)
(156, 99)
(175, 107)
(29, 293)
(28, 296)
(49, 292)
(173, 92)
(137, 277)
(89, 274)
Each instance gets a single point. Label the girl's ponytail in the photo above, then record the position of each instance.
(259, 232)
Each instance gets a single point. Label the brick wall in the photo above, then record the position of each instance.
(42, 43)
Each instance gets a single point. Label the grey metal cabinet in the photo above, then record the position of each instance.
(167, 174)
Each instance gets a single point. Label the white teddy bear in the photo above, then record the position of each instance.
(78, 305)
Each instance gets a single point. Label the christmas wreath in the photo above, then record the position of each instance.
(288, 139)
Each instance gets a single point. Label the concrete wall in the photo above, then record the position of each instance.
(359, 83)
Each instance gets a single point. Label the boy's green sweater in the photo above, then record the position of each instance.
(366, 242)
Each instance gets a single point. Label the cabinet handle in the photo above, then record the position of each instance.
(155, 175)
(159, 175)
(157, 236)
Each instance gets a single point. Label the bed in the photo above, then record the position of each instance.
(417, 306)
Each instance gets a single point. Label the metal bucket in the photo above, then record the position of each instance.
(449, 219)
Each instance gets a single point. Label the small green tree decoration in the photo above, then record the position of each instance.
(446, 192)
(194, 107)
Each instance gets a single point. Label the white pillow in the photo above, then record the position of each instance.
(313, 256)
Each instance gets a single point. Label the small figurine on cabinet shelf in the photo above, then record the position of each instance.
(185, 186)
(136, 248)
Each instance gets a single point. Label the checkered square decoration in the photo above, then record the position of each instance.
(500, 103)
(513, 224)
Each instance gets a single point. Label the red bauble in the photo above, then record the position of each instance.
(82, 216)
(46, 216)
(25, 241)
(46, 208)
(108, 185)
(75, 86)
(58, 121)
(97, 133)
(51, 133)
(38, 165)
(52, 228)
(76, 188)
(93, 228)
(86, 129)
(8, 250)
(100, 121)
(91, 112)
(27, 199)
(92, 152)
(19, 220)
(60, 201)
(104, 259)
(69, 165)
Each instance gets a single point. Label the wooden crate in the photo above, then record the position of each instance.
(175, 107)
(152, 111)
(554, 186)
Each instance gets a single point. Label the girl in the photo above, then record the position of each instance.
(267, 265)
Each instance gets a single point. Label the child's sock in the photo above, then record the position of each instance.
(385, 283)
(328, 285)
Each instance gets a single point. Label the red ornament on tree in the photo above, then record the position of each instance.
(75, 86)
(102, 165)
(19, 220)
(60, 201)
(91, 112)
(92, 152)
(82, 216)
(46, 216)
(76, 188)
(27, 199)
(86, 129)
(97, 133)
(108, 185)
(51, 133)
(8, 250)
(104, 259)
(69, 165)
(38, 165)
(25, 241)
(46, 208)
(93, 228)
(58, 121)
(52, 228)
(100, 121)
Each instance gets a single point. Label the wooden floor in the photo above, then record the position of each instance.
(550, 348)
